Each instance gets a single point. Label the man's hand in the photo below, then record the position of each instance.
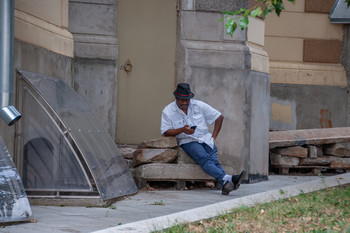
(173, 132)
(188, 130)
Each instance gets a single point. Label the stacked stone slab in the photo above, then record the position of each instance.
(315, 149)
(162, 160)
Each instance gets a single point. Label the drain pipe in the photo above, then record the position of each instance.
(7, 112)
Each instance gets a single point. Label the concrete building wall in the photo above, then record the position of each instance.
(42, 44)
(305, 50)
(93, 25)
(230, 74)
(345, 61)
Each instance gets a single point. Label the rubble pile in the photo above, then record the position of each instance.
(314, 151)
(162, 160)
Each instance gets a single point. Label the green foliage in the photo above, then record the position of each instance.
(111, 207)
(239, 18)
(158, 203)
(261, 9)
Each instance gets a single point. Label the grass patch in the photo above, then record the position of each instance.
(326, 210)
(158, 203)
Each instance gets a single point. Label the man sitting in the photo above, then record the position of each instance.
(187, 119)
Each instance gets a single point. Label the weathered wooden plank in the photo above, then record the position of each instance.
(309, 137)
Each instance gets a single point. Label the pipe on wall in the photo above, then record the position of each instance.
(7, 112)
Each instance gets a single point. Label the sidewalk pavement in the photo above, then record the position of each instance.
(153, 210)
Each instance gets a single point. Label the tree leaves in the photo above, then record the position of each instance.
(261, 9)
(242, 21)
(256, 12)
(278, 6)
(230, 27)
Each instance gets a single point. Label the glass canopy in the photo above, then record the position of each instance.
(14, 204)
(63, 148)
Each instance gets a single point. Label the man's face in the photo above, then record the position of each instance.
(182, 104)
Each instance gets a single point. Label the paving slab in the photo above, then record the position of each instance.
(150, 210)
(301, 137)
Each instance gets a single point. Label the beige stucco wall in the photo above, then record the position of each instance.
(284, 35)
(289, 53)
(44, 23)
(284, 43)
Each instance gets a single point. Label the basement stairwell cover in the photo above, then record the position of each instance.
(62, 145)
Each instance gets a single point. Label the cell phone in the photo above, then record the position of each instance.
(193, 127)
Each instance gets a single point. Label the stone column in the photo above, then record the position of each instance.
(230, 74)
(345, 61)
(93, 25)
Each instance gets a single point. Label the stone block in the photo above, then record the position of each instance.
(128, 153)
(164, 142)
(87, 49)
(295, 151)
(184, 158)
(95, 19)
(187, 5)
(337, 149)
(340, 165)
(210, 59)
(318, 6)
(327, 51)
(220, 5)
(169, 172)
(320, 161)
(277, 159)
(324, 160)
(314, 152)
(144, 156)
(202, 26)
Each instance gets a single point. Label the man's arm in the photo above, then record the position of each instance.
(173, 132)
(217, 126)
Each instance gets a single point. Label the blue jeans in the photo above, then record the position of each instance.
(206, 158)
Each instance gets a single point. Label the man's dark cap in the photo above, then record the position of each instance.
(183, 91)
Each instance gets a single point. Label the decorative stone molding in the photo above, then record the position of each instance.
(308, 73)
(36, 31)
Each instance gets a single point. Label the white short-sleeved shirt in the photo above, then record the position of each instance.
(198, 113)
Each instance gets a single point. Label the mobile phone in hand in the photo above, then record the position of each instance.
(193, 127)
